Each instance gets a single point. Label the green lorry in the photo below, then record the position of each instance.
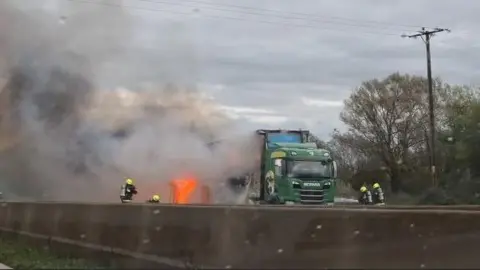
(292, 170)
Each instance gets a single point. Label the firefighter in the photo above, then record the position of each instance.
(128, 190)
(378, 197)
(365, 196)
(155, 199)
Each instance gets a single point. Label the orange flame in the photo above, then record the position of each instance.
(183, 189)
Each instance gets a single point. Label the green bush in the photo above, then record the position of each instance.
(436, 196)
(401, 199)
(344, 189)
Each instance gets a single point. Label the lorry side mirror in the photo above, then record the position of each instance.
(278, 167)
(334, 163)
(278, 162)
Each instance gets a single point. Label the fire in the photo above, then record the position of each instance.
(182, 189)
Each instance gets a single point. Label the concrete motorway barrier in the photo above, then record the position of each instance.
(412, 207)
(253, 237)
(359, 206)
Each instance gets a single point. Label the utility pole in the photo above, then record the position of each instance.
(425, 36)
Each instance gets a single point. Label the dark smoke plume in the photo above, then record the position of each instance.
(64, 137)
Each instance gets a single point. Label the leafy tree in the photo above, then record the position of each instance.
(388, 139)
(388, 119)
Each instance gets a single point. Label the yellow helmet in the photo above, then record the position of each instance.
(129, 181)
(376, 185)
(363, 189)
(156, 198)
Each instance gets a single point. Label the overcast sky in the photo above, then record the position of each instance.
(272, 64)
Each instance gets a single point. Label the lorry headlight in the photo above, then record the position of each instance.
(296, 185)
(327, 185)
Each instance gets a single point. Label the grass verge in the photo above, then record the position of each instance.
(19, 255)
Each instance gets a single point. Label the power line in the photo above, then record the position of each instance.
(426, 35)
(304, 14)
(262, 13)
(231, 18)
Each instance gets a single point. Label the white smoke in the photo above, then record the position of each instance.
(72, 139)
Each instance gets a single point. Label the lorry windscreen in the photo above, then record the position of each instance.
(308, 169)
(273, 138)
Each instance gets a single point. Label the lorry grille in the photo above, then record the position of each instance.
(312, 196)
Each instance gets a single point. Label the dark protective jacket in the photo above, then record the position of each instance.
(365, 197)
(378, 196)
(152, 201)
(128, 191)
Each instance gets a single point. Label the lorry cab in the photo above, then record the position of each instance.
(300, 174)
(294, 170)
(287, 169)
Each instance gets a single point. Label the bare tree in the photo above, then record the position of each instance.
(349, 156)
(387, 119)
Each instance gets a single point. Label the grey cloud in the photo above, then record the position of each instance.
(278, 95)
(272, 66)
